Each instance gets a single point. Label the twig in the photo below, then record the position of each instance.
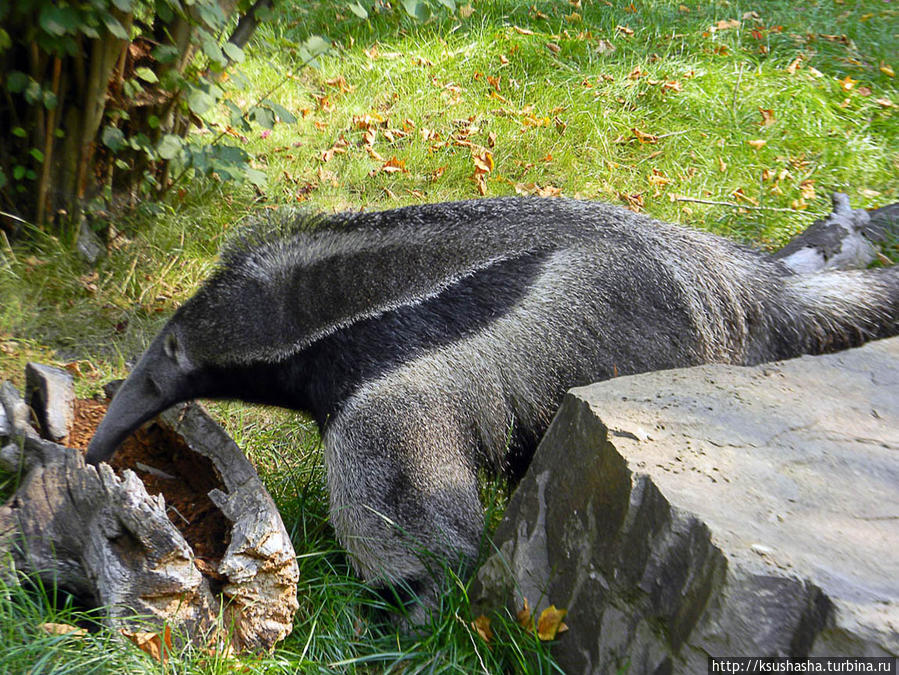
(674, 133)
(734, 205)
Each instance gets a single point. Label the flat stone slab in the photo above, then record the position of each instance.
(715, 510)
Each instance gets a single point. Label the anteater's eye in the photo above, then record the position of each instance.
(170, 345)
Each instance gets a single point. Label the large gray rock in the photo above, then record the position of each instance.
(715, 511)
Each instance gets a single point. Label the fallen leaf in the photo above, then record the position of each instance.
(574, 17)
(553, 47)
(525, 620)
(394, 165)
(156, 645)
(864, 91)
(340, 83)
(624, 29)
(756, 144)
(887, 69)
(491, 139)
(643, 137)
(722, 167)
(522, 31)
(885, 102)
(482, 627)
(325, 176)
(480, 182)
(727, 24)
(807, 189)
(867, 192)
(799, 204)
(483, 160)
(634, 201)
(795, 65)
(503, 59)
(847, 83)
(604, 47)
(550, 623)
(767, 117)
(62, 629)
(466, 11)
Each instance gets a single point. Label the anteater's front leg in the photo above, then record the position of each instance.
(403, 486)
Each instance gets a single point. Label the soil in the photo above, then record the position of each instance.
(167, 466)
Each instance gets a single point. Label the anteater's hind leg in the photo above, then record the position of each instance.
(403, 486)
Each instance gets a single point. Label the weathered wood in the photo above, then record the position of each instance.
(102, 537)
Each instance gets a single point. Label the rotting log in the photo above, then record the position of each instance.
(218, 568)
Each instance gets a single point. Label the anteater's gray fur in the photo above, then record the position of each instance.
(432, 341)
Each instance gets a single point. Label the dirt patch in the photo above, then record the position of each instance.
(167, 466)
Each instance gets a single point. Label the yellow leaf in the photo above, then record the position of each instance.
(807, 189)
(887, 69)
(795, 65)
(522, 31)
(799, 204)
(482, 627)
(722, 167)
(625, 29)
(847, 83)
(757, 144)
(550, 623)
(525, 620)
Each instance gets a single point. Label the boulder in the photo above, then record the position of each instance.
(713, 511)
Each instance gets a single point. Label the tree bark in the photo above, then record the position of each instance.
(101, 536)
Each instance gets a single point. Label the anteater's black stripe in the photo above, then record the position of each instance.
(326, 373)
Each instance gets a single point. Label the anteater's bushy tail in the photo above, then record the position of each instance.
(841, 309)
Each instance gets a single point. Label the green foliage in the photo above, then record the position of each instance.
(100, 98)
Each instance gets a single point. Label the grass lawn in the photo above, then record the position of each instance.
(763, 108)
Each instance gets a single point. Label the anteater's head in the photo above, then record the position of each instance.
(214, 346)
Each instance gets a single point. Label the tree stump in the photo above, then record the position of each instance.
(178, 532)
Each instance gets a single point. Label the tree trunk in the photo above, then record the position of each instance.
(228, 577)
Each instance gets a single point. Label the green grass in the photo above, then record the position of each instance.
(560, 119)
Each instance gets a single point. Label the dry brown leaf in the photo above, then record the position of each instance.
(553, 47)
(767, 117)
(62, 629)
(634, 201)
(847, 83)
(325, 176)
(156, 645)
(466, 11)
(625, 30)
(438, 172)
(522, 31)
(574, 17)
(394, 165)
(722, 167)
(864, 91)
(604, 47)
(340, 83)
(494, 82)
(550, 623)
(491, 139)
(481, 626)
(799, 204)
(727, 24)
(795, 65)
(672, 85)
(884, 102)
(636, 74)
(643, 137)
(483, 160)
(756, 144)
(503, 59)
(480, 183)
